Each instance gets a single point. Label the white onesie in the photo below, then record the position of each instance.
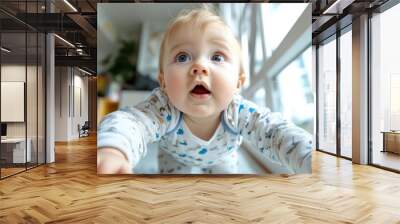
(156, 119)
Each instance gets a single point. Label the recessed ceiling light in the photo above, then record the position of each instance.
(64, 40)
(70, 5)
(5, 49)
(338, 6)
(86, 72)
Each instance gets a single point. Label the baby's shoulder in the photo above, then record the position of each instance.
(242, 111)
(156, 100)
(157, 106)
(241, 106)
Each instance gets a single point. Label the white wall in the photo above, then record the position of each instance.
(71, 88)
(61, 103)
(80, 100)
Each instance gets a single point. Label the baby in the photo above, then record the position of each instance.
(197, 114)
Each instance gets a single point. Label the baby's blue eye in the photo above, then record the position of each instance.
(217, 58)
(182, 57)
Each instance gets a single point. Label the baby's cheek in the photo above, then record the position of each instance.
(226, 88)
(175, 88)
(224, 100)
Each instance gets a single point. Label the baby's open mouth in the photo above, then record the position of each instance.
(200, 89)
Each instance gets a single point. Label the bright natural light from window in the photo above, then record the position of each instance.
(273, 20)
(294, 84)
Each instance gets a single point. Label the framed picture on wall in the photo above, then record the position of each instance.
(172, 130)
(12, 101)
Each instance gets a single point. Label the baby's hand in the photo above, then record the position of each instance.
(112, 161)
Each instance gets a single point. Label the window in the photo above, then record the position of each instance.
(22, 62)
(275, 25)
(346, 94)
(327, 96)
(257, 28)
(385, 84)
(294, 87)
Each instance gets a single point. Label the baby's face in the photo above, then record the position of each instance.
(201, 69)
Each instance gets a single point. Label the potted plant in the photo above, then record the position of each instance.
(120, 67)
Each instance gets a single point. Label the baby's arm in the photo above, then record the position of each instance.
(276, 138)
(127, 132)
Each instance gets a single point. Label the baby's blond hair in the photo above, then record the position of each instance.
(200, 17)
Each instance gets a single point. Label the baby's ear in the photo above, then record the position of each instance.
(241, 80)
(161, 81)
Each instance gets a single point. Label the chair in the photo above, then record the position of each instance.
(84, 130)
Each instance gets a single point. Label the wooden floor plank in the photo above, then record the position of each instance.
(69, 191)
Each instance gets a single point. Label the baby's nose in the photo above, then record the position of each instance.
(198, 69)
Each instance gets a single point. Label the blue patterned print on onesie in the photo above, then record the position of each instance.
(203, 151)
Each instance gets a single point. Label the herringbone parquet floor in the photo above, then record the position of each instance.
(70, 191)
